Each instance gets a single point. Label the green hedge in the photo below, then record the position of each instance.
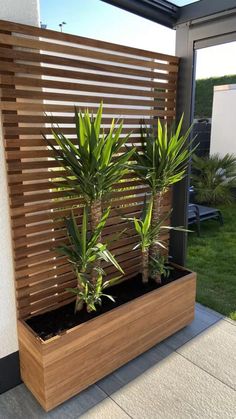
(204, 94)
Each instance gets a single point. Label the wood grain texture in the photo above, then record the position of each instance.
(57, 369)
(43, 74)
(68, 86)
(65, 37)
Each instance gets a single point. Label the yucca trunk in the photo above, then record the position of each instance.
(96, 215)
(78, 304)
(156, 215)
(89, 310)
(145, 266)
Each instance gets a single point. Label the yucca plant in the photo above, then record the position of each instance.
(83, 251)
(150, 235)
(160, 266)
(162, 162)
(93, 163)
(91, 294)
(213, 178)
(143, 228)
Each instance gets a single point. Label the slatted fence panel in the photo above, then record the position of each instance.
(43, 75)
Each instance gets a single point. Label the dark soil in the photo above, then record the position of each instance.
(56, 321)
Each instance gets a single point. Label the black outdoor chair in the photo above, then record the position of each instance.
(193, 216)
(198, 213)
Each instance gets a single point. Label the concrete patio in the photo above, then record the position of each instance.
(190, 375)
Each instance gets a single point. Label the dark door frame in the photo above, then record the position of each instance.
(192, 35)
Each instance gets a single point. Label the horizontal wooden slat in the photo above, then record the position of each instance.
(68, 203)
(31, 94)
(71, 50)
(161, 91)
(50, 195)
(121, 253)
(41, 153)
(46, 153)
(50, 242)
(39, 107)
(143, 71)
(45, 186)
(43, 290)
(43, 285)
(33, 164)
(30, 209)
(58, 215)
(15, 166)
(80, 75)
(47, 250)
(35, 120)
(51, 271)
(39, 260)
(46, 33)
(52, 234)
(52, 253)
(65, 298)
(32, 137)
(115, 217)
(45, 174)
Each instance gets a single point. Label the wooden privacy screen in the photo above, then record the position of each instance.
(43, 74)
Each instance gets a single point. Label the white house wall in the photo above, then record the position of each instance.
(223, 139)
(26, 12)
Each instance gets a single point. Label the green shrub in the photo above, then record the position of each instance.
(213, 178)
(204, 94)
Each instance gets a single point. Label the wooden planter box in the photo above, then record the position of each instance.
(57, 369)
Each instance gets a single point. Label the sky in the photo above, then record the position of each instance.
(99, 20)
(96, 19)
(216, 61)
(183, 2)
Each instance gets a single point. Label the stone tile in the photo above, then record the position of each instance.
(233, 322)
(203, 319)
(176, 388)
(18, 403)
(214, 351)
(134, 369)
(208, 310)
(107, 409)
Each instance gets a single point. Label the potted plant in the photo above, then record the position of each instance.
(150, 235)
(163, 162)
(84, 250)
(94, 164)
(214, 178)
(79, 347)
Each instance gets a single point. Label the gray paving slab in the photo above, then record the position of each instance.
(107, 409)
(233, 322)
(134, 369)
(175, 388)
(203, 320)
(215, 351)
(18, 403)
(207, 310)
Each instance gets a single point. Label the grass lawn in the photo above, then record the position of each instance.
(213, 257)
